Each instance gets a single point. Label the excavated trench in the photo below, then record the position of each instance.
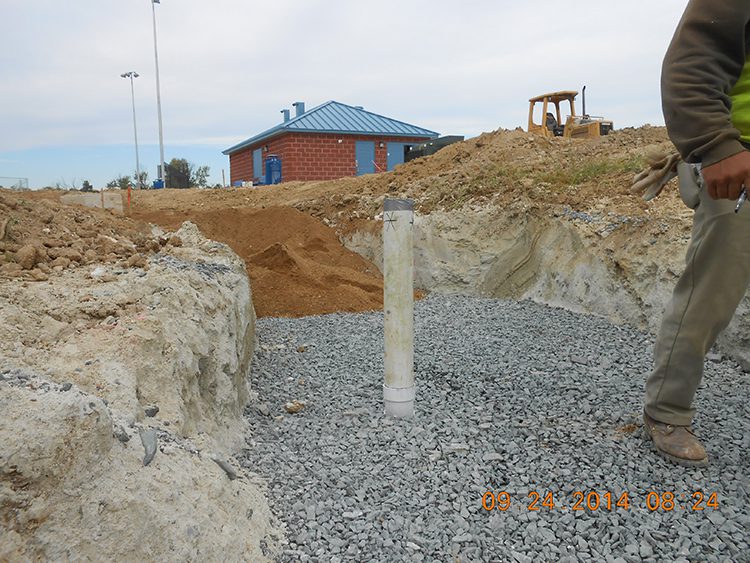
(551, 259)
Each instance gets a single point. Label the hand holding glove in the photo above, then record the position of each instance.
(651, 181)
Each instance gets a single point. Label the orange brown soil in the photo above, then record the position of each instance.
(296, 264)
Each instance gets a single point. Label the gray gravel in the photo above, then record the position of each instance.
(512, 396)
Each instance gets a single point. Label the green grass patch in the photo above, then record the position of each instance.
(590, 171)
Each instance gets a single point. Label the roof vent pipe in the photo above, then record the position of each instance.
(286, 114)
(300, 107)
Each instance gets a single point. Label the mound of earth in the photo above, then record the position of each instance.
(297, 265)
(501, 167)
(40, 238)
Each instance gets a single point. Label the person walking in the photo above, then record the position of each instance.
(706, 103)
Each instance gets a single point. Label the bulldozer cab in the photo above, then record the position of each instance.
(551, 123)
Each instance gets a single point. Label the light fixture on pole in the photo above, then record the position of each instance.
(132, 74)
(161, 171)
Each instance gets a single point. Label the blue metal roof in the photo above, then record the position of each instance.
(335, 117)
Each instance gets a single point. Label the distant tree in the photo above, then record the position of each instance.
(179, 173)
(121, 182)
(86, 186)
(143, 183)
(200, 177)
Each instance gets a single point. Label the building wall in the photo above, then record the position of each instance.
(313, 156)
(240, 166)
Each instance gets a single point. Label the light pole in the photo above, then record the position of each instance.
(132, 74)
(162, 175)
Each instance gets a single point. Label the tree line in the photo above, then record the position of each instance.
(179, 173)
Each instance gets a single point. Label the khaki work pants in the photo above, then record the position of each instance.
(705, 298)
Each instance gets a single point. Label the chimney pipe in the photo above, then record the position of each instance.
(584, 102)
(300, 107)
(286, 114)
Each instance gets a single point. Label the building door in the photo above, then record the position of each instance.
(395, 154)
(257, 165)
(364, 152)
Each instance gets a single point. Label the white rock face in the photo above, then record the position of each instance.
(558, 260)
(84, 362)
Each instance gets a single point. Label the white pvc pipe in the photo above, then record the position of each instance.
(398, 307)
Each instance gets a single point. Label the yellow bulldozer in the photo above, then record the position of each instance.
(576, 126)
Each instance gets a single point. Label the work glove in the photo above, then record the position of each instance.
(662, 167)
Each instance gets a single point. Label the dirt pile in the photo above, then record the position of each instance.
(500, 167)
(40, 238)
(297, 265)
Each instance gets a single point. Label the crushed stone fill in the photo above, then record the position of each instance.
(512, 397)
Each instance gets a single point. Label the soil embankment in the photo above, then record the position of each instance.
(123, 379)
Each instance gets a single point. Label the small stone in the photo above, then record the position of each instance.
(26, 257)
(263, 409)
(61, 261)
(151, 410)
(579, 360)
(716, 519)
(413, 546)
(646, 550)
(38, 275)
(492, 457)
(137, 261)
(226, 467)
(294, 406)
(66, 386)
(11, 269)
(121, 434)
(456, 447)
(174, 240)
(714, 357)
(149, 441)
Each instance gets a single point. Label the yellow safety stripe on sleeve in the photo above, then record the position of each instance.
(740, 95)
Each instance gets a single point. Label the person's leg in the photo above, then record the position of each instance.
(705, 298)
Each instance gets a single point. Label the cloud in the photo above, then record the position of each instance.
(229, 66)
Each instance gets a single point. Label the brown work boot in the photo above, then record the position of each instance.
(678, 444)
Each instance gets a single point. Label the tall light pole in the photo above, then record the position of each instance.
(132, 74)
(162, 174)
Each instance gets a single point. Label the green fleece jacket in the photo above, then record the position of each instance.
(701, 68)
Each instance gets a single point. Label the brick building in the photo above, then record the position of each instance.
(330, 141)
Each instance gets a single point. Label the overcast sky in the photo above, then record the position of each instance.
(227, 68)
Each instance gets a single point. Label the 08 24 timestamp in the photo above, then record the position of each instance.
(653, 501)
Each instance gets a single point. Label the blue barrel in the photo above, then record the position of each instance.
(273, 169)
(158, 184)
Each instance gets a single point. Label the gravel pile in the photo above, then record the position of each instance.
(512, 397)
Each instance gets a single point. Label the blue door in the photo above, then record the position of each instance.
(395, 154)
(364, 152)
(257, 165)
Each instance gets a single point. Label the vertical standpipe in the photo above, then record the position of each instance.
(398, 307)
